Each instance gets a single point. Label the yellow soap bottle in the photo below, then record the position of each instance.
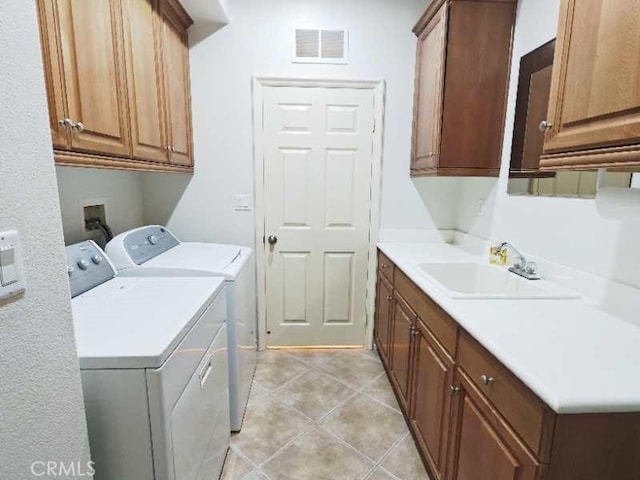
(498, 255)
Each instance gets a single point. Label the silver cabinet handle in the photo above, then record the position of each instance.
(169, 148)
(544, 126)
(78, 127)
(67, 122)
(272, 240)
(486, 380)
(389, 297)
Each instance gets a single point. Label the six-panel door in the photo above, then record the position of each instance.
(317, 183)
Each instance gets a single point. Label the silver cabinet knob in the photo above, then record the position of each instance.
(544, 126)
(78, 127)
(272, 240)
(67, 122)
(389, 297)
(170, 148)
(486, 380)
(454, 389)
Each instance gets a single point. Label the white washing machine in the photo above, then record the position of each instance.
(153, 360)
(154, 251)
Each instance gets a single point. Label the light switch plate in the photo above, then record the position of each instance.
(243, 202)
(11, 267)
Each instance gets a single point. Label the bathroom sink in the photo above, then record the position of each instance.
(477, 280)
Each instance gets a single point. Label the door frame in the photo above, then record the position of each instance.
(378, 88)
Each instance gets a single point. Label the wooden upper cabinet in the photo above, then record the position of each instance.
(175, 52)
(144, 80)
(595, 89)
(428, 92)
(94, 75)
(462, 70)
(108, 104)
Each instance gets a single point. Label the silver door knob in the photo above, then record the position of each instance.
(272, 239)
(544, 126)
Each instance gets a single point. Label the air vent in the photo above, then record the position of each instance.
(320, 45)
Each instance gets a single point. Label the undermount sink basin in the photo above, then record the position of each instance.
(477, 280)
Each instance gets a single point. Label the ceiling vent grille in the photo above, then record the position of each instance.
(320, 45)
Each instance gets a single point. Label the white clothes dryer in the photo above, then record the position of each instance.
(155, 251)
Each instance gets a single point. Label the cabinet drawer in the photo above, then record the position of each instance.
(386, 266)
(526, 414)
(443, 327)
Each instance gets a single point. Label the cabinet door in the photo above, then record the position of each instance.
(431, 398)
(176, 83)
(384, 297)
(142, 50)
(427, 108)
(595, 90)
(50, 39)
(402, 327)
(94, 75)
(482, 445)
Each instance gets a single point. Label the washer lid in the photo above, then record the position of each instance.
(200, 258)
(138, 322)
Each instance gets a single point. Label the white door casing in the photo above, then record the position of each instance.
(318, 169)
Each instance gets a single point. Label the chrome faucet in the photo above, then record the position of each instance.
(521, 266)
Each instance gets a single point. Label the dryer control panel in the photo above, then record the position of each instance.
(145, 243)
(87, 266)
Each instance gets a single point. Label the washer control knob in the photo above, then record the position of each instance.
(153, 240)
(97, 259)
(83, 264)
(70, 270)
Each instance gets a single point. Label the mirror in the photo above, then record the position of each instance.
(571, 184)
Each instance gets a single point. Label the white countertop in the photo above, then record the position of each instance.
(577, 357)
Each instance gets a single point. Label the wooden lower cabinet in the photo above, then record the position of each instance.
(382, 328)
(431, 397)
(471, 418)
(482, 445)
(402, 329)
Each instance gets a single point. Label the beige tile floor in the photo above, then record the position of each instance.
(322, 415)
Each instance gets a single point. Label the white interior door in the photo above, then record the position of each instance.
(317, 189)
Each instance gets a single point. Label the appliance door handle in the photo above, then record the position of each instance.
(205, 372)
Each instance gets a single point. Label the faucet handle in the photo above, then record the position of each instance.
(531, 268)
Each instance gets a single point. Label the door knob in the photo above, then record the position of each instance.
(272, 240)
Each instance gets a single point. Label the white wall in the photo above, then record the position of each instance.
(121, 190)
(41, 408)
(257, 42)
(567, 231)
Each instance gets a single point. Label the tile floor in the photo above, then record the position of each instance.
(322, 415)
